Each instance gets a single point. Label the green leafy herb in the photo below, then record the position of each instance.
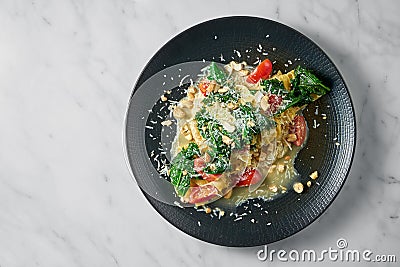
(216, 74)
(305, 86)
(305, 80)
(249, 123)
(274, 86)
(211, 130)
(182, 168)
(218, 165)
(191, 151)
(228, 97)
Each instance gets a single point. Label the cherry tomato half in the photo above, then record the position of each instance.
(274, 102)
(249, 177)
(300, 129)
(199, 164)
(203, 86)
(202, 193)
(262, 71)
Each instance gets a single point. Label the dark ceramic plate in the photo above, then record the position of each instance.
(329, 149)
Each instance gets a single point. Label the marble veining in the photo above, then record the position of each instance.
(67, 68)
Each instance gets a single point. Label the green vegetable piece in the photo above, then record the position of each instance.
(216, 74)
(305, 80)
(191, 151)
(274, 86)
(218, 165)
(229, 97)
(304, 85)
(249, 123)
(183, 162)
(175, 174)
(183, 186)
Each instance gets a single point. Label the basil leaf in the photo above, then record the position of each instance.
(216, 74)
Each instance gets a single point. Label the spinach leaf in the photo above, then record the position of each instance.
(305, 80)
(182, 168)
(191, 151)
(219, 164)
(249, 123)
(274, 86)
(216, 74)
(229, 97)
(304, 86)
(212, 131)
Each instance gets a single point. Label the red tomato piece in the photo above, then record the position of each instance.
(262, 71)
(249, 177)
(199, 164)
(300, 129)
(274, 101)
(203, 86)
(202, 193)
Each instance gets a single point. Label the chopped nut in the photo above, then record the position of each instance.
(314, 175)
(291, 137)
(223, 89)
(309, 183)
(244, 72)
(190, 96)
(283, 189)
(166, 123)
(229, 194)
(230, 105)
(227, 140)
(272, 168)
(212, 167)
(192, 90)
(280, 168)
(237, 66)
(273, 188)
(184, 172)
(207, 210)
(189, 137)
(251, 123)
(211, 86)
(264, 103)
(186, 103)
(298, 187)
(164, 98)
(179, 113)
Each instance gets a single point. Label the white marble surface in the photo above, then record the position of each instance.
(66, 71)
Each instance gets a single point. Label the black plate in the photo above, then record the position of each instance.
(329, 149)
